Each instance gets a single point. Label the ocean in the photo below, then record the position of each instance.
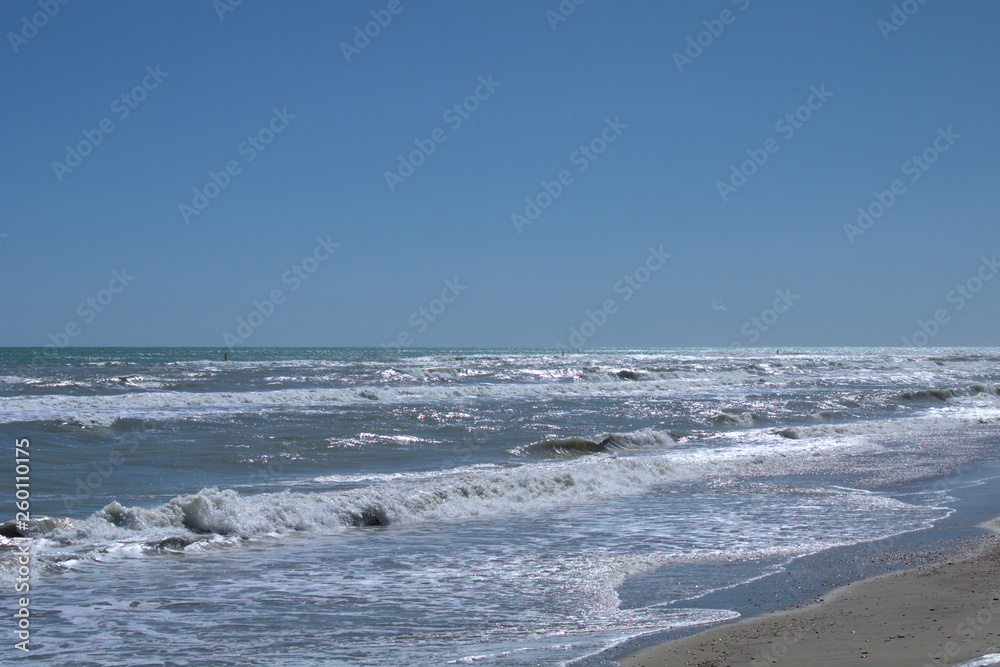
(361, 506)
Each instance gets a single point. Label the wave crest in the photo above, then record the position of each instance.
(605, 443)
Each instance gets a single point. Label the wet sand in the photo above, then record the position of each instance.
(941, 614)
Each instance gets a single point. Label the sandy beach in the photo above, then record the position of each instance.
(940, 614)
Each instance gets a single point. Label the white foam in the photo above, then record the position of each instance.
(987, 660)
(480, 490)
(401, 502)
(522, 377)
(174, 404)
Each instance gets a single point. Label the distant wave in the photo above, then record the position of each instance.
(948, 394)
(167, 404)
(741, 418)
(897, 428)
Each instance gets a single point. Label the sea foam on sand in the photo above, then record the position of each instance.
(932, 615)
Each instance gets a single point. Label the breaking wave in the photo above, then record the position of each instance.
(213, 513)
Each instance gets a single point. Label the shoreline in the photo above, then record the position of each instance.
(972, 501)
(935, 614)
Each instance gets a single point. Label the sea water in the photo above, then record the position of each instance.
(451, 506)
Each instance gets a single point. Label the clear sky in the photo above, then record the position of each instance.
(370, 177)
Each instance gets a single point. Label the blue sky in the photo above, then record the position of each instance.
(203, 87)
